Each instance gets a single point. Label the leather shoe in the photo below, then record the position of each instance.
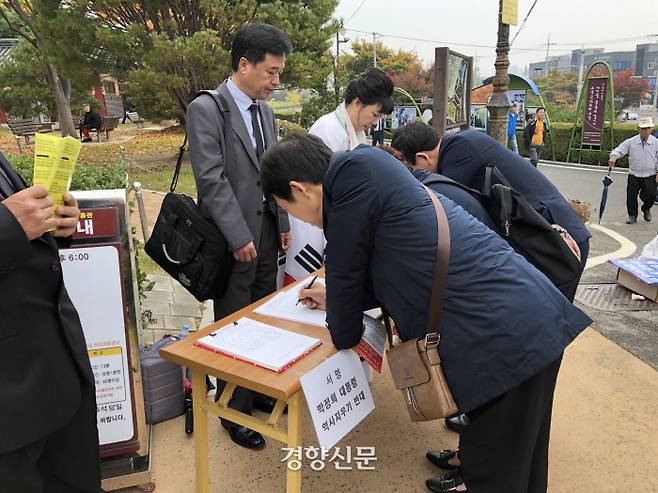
(647, 216)
(245, 437)
(446, 483)
(440, 459)
(457, 423)
(266, 404)
(631, 220)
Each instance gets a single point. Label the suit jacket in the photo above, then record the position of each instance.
(43, 353)
(503, 320)
(465, 155)
(230, 193)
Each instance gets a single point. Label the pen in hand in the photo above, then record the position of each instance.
(307, 287)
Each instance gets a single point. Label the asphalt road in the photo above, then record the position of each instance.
(636, 331)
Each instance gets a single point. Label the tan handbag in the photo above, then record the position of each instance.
(415, 365)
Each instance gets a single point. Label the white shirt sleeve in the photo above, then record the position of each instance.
(334, 136)
(622, 149)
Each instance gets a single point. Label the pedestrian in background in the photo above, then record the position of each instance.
(535, 134)
(642, 150)
(512, 119)
(377, 131)
(90, 121)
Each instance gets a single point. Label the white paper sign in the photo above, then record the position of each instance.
(93, 280)
(338, 396)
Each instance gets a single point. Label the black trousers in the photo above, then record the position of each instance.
(377, 137)
(249, 283)
(505, 446)
(647, 190)
(66, 461)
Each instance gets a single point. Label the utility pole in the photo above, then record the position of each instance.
(374, 48)
(500, 104)
(548, 46)
(338, 42)
(581, 72)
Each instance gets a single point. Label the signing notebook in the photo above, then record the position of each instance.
(259, 344)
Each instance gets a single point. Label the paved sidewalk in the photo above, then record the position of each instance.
(171, 307)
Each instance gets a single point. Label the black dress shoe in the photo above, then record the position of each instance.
(457, 423)
(440, 459)
(445, 484)
(245, 437)
(631, 220)
(647, 216)
(266, 404)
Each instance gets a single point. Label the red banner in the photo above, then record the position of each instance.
(97, 223)
(594, 111)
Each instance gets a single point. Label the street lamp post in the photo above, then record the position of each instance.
(500, 104)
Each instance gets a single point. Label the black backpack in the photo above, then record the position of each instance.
(527, 232)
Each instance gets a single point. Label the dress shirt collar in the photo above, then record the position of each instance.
(241, 99)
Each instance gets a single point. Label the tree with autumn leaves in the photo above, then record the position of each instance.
(165, 51)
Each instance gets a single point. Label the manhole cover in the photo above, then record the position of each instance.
(611, 298)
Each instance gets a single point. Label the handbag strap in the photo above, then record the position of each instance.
(225, 112)
(440, 272)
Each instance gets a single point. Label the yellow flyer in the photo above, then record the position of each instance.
(45, 158)
(54, 163)
(61, 175)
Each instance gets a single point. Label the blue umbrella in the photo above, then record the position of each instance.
(607, 181)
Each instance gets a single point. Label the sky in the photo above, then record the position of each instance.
(458, 24)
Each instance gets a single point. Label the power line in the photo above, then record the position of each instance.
(355, 12)
(523, 23)
(439, 42)
(471, 45)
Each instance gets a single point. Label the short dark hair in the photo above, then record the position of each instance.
(540, 108)
(372, 87)
(254, 41)
(514, 104)
(415, 137)
(297, 157)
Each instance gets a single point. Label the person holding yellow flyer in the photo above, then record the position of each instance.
(48, 413)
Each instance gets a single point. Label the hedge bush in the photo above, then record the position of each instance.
(85, 177)
(561, 133)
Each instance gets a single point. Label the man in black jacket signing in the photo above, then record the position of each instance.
(48, 434)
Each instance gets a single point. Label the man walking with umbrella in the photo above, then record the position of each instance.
(642, 151)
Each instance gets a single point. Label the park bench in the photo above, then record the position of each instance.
(25, 128)
(108, 123)
(134, 117)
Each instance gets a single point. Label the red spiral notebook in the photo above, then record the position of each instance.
(260, 344)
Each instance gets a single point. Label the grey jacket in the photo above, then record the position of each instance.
(229, 193)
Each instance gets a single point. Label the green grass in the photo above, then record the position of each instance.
(161, 180)
(146, 264)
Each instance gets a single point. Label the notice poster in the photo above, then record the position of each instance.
(92, 276)
(594, 111)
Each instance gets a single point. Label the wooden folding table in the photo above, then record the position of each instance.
(284, 387)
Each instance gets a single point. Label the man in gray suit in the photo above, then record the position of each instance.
(230, 192)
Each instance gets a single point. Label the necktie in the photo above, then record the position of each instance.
(256, 127)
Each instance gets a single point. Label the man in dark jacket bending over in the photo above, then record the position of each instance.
(500, 358)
